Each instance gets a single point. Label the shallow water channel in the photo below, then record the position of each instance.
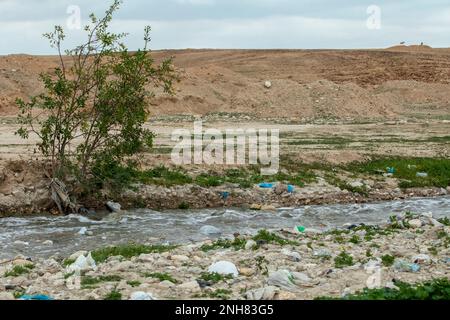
(28, 235)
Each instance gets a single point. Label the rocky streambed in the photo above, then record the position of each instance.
(287, 263)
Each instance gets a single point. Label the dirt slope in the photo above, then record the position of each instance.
(391, 83)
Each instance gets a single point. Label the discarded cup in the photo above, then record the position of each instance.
(390, 170)
(421, 175)
(290, 188)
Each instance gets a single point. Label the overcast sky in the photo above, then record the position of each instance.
(235, 23)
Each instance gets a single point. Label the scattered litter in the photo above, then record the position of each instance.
(390, 170)
(224, 195)
(421, 175)
(266, 185)
(224, 268)
(290, 188)
(141, 296)
(82, 264)
(42, 297)
(300, 229)
(422, 259)
(403, 266)
(82, 231)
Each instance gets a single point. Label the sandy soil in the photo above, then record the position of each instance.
(394, 83)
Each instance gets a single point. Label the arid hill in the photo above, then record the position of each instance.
(394, 83)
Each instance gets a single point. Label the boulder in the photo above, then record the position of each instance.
(113, 206)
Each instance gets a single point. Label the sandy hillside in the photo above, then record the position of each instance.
(393, 83)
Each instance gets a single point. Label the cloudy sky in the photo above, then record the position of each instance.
(234, 23)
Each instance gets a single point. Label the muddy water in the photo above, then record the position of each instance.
(28, 236)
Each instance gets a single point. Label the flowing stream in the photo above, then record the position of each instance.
(29, 235)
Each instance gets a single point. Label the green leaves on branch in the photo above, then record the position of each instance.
(94, 107)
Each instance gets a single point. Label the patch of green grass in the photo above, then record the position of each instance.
(438, 170)
(355, 239)
(89, 282)
(68, 275)
(433, 251)
(236, 244)
(214, 277)
(128, 251)
(387, 260)
(113, 295)
(19, 270)
(438, 289)
(133, 283)
(445, 221)
(343, 260)
(222, 294)
(67, 262)
(161, 277)
(163, 176)
(209, 180)
(269, 237)
(184, 206)
(261, 264)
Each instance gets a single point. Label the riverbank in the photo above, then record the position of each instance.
(283, 264)
(25, 190)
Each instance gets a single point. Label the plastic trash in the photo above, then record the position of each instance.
(300, 229)
(421, 175)
(390, 170)
(42, 297)
(82, 231)
(266, 185)
(82, 264)
(290, 188)
(224, 268)
(404, 266)
(224, 195)
(141, 296)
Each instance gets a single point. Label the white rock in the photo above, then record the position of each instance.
(415, 223)
(141, 296)
(210, 230)
(82, 231)
(266, 293)
(250, 245)
(21, 243)
(268, 84)
(224, 268)
(294, 256)
(191, 286)
(179, 258)
(113, 206)
(48, 242)
(5, 296)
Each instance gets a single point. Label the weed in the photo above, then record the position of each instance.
(387, 260)
(343, 260)
(161, 277)
(128, 251)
